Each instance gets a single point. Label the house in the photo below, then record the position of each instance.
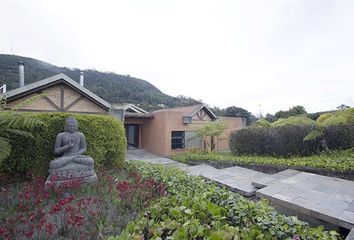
(164, 132)
(172, 131)
(56, 94)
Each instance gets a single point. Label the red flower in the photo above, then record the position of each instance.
(49, 228)
(2, 231)
(29, 234)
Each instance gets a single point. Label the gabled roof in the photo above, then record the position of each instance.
(132, 111)
(206, 109)
(190, 111)
(128, 107)
(48, 82)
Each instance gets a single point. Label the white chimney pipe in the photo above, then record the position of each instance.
(3, 87)
(82, 78)
(21, 70)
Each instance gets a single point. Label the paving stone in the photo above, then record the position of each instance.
(346, 220)
(325, 198)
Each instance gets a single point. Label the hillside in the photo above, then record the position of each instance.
(112, 87)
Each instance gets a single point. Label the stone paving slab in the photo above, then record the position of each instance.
(270, 179)
(238, 179)
(326, 198)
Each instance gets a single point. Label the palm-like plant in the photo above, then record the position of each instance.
(329, 119)
(13, 123)
(209, 133)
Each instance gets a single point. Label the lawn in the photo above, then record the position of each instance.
(335, 160)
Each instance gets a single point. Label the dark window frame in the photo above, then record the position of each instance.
(178, 140)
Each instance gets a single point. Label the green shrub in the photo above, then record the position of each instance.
(196, 209)
(294, 120)
(105, 137)
(339, 136)
(284, 141)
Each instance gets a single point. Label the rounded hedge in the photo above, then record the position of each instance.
(105, 137)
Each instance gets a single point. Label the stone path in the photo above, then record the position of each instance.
(325, 198)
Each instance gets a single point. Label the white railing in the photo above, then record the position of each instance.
(3, 87)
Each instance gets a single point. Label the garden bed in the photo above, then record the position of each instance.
(143, 201)
(197, 209)
(335, 164)
(76, 211)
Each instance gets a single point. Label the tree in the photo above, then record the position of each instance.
(217, 111)
(209, 133)
(239, 112)
(342, 107)
(294, 111)
(329, 119)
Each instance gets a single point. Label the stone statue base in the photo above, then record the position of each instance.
(70, 173)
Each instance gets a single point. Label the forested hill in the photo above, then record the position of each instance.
(112, 87)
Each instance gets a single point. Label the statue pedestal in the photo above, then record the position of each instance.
(70, 174)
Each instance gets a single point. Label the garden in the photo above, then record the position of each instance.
(131, 200)
(324, 145)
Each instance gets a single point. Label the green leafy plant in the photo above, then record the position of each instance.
(13, 123)
(209, 132)
(340, 160)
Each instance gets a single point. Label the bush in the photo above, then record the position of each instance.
(105, 138)
(339, 136)
(283, 141)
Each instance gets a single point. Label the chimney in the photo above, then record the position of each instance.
(21, 70)
(82, 78)
(3, 87)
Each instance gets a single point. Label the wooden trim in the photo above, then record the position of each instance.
(74, 102)
(51, 103)
(37, 110)
(62, 97)
(205, 113)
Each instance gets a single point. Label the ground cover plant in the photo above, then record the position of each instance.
(196, 209)
(28, 210)
(335, 160)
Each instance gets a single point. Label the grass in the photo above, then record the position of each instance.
(335, 160)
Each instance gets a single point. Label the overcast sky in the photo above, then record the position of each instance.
(259, 55)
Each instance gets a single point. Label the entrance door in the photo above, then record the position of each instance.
(132, 133)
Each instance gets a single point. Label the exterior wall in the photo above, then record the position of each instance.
(174, 122)
(153, 134)
(233, 123)
(52, 101)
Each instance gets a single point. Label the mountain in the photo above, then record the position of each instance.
(110, 86)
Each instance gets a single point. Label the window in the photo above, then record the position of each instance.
(177, 139)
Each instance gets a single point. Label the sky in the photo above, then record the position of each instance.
(263, 56)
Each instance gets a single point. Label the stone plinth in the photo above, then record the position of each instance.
(71, 172)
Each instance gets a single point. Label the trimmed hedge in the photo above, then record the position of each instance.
(287, 141)
(284, 141)
(105, 137)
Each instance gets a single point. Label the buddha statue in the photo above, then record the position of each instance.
(72, 164)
